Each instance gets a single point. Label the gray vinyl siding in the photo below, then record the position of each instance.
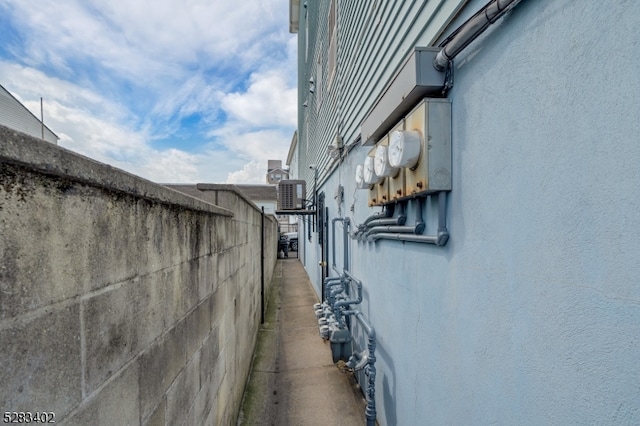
(17, 117)
(373, 39)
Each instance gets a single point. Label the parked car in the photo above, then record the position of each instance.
(293, 240)
(283, 246)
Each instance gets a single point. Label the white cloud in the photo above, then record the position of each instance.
(258, 145)
(252, 172)
(261, 119)
(27, 83)
(268, 102)
(117, 76)
(148, 39)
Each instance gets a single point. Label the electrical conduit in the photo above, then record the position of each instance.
(470, 30)
(441, 237)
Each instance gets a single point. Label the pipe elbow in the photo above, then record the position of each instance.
(441, 60)
(442, 238)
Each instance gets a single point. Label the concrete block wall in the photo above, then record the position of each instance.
(122, 301)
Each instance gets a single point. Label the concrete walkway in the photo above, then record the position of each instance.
(293, 380)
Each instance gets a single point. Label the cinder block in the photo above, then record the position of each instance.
(198, 235)
(148, 296)
(226, 402)
(173, 297)
(227, 325)
(226, 265)
(222, 396)
(182, 393)
(113, 239)
(159, 366)
(157, 237)
(119, 324)
(157, 418)
(116, 403)
(198, 327)
(220, 226)
(154, 246)
(229, 200)
(209, 356)
(202, 406)
(208, 278)
(229, 233)
(243, 233)
(38, 264)
(41, 363)
(189, 282)
(211, 411)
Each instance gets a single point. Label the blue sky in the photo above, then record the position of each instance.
(174, 91)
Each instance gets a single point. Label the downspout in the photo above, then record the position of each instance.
(470, 30)
(262, 267)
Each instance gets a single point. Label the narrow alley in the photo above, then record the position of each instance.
(293, 379)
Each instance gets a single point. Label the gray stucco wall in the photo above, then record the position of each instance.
(531, 313)
(122, 301)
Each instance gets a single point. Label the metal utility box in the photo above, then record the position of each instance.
(397, 183)
(432, 119)
(291, 194)
(418, 151)
(416, 79)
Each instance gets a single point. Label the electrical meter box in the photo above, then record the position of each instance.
(291, 194)
(431, 119)
(414, 158)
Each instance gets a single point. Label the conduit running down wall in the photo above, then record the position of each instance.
(333, 324)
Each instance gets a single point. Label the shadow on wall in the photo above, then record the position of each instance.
(388, 389)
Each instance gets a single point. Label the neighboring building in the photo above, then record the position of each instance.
(292, 157)
(275, 172)
(530, 312)
(262, 195)
(17, 117)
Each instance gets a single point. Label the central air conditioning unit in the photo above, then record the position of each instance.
(291, 194)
